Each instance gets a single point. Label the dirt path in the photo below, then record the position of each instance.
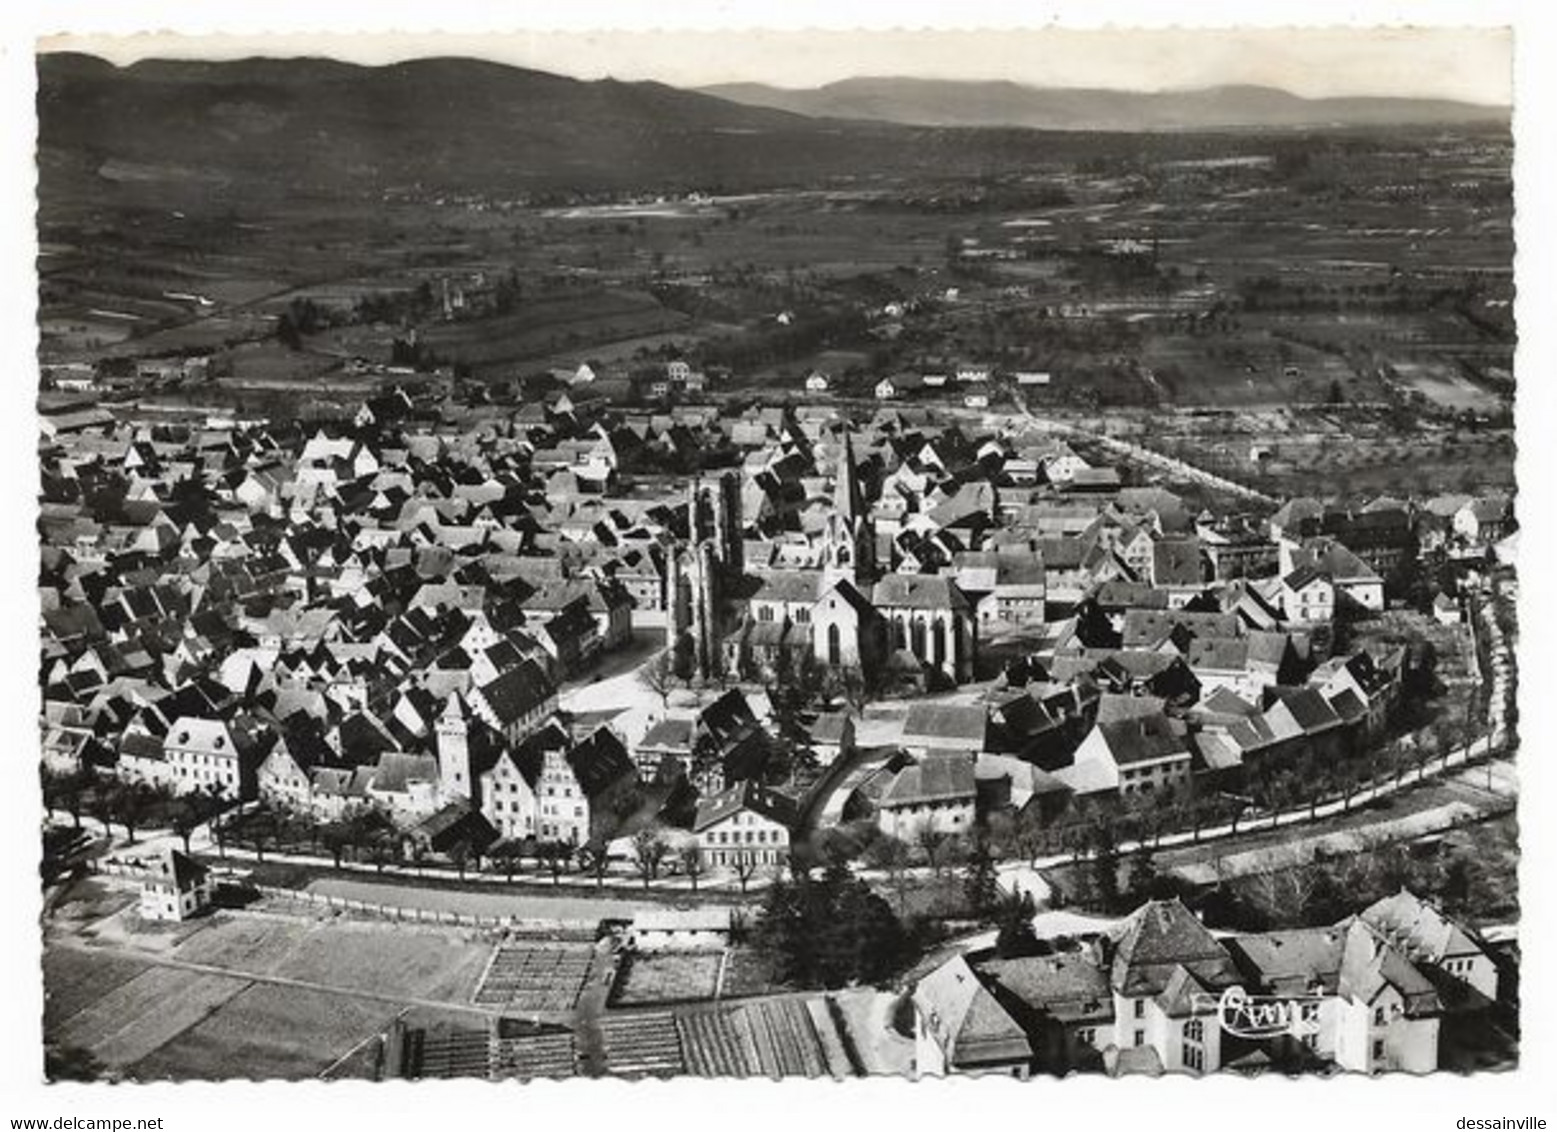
(587, 1037)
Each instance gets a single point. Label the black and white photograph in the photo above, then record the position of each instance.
(774, 553)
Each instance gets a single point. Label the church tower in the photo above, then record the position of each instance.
(454, 777)
(849, 537)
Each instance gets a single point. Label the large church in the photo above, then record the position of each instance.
(851, 615)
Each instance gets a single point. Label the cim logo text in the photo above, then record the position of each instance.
(1262, 1016)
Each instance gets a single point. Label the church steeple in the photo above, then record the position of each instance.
(849, 539)
(848, 503)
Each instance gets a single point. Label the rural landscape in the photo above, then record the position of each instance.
(548, 578)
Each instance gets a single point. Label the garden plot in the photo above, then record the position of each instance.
(448, 1051)
(667, 977)
(525, 977)
(642, 1044)
(529, 1056)
(775, 1037)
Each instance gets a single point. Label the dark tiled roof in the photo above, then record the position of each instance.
(918, 591)
(518, 692)
(939, 778)
(947, 721)
(1142, 739)
(1160, 936)
(599, 762)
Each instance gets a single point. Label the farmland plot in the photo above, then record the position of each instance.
(137, 1017)
(546, 325)
(527, 977)
(642, 1044)
(268, 1032)
(773, 1037)
(668, 977)
(529, 1056)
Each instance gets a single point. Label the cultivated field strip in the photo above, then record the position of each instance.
(154, 1007)
(787, 1045)
(550, 1055)
(715, 1044)
(453, 1052)
(773, 1037)
(642, 1044)
(534, 977)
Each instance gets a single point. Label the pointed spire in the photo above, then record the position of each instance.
(847, 501)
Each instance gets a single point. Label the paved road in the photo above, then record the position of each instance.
(524, 906)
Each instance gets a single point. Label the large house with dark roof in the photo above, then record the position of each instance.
(938, 793)
(747, 825)
(519, 700)
(1141, 754)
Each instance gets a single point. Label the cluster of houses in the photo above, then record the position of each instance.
(1381, 991)
(381, 612)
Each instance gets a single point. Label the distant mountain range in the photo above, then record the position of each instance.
(934, 102)
(211, 135)
(296, 125)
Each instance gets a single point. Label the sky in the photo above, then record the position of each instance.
(1472, 64)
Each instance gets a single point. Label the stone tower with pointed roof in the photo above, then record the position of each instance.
(453, 747)
(849, 537)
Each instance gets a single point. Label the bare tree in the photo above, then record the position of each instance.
(930, 842)
(336, 837)
(649, 850)
(129, 803)
(460, 854)
(659, 676)
(890, 855)
(692, 863)
(66, 791)
(599, 862)
(556, 855)
(745, 868)
(186, 819)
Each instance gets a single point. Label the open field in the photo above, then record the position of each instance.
(249, 996)
(661, 977)
(1260, 289)
(268, 1032)
(545, 325)
(745, 974)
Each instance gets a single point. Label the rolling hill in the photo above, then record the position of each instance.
(212, 137)
(258, 127)
(928, 102)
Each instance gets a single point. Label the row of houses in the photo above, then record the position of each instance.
(1379, 992)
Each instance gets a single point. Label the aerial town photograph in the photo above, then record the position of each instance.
(875, 569)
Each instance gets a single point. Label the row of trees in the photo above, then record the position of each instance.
(367, 835)
(1475, 881)
(135, 806)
